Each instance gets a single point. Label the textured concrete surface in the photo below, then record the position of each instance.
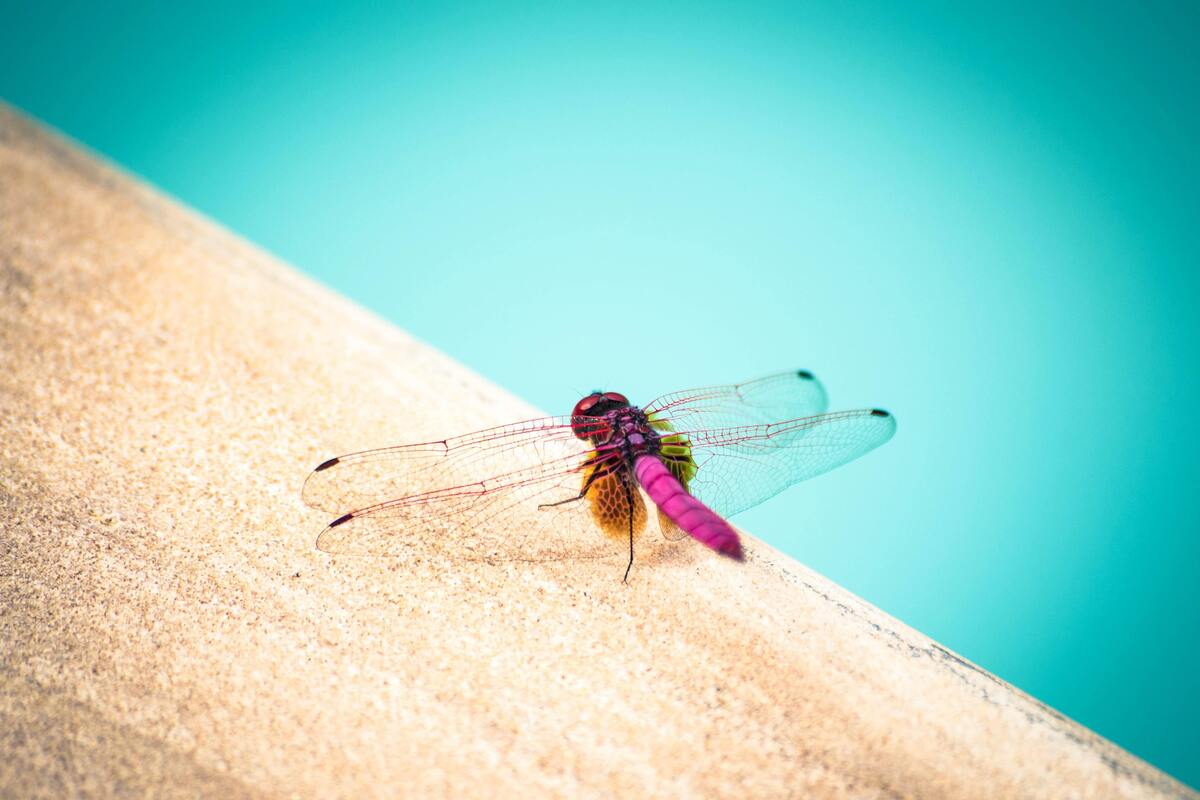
(168, 627)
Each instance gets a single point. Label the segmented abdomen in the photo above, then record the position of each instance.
(698, 520)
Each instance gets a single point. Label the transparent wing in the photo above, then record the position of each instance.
(740, 467)
(787, 395)
(484, 502)
(358, 480)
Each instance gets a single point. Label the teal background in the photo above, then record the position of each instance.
(984, 220)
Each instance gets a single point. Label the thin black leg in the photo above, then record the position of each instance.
(600, 471)
(629, 501)
(574, 499)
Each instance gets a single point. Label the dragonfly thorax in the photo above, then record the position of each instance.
(608, 421)
(629, 434)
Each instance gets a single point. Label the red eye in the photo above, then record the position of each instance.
(583, 424)
(585, 405)
(617, 397)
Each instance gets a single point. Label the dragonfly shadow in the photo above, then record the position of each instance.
(654, 551)
(601, 556)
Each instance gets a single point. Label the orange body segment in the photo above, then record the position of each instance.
(609, 497)
(670, 531)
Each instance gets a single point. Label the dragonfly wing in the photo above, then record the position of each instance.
(740, 467)
(490, 485)
(786, 395)
(370, 477)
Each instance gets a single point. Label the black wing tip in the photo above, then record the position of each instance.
(343, 518)
(326, 464)
(879, 412)
(805, 375)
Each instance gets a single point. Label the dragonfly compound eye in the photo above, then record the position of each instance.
(583, 425)
(585, 406)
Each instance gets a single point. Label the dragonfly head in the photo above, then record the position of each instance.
(597, 404)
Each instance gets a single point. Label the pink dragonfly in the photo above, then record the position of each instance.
(537, 490)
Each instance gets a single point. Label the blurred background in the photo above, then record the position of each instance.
(983, 220)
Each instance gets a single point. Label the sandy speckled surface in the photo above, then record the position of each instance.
(167, 626)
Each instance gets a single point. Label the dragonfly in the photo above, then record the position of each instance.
(579, 485)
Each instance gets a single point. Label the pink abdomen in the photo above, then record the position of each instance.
(696, 519)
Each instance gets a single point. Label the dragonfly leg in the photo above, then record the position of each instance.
(574, 499)
(629, 502)
(591, 478)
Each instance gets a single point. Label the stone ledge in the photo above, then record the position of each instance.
(169, 628)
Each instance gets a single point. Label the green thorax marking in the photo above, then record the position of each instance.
(675, 452)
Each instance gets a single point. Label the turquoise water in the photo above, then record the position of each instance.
(982, 220)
